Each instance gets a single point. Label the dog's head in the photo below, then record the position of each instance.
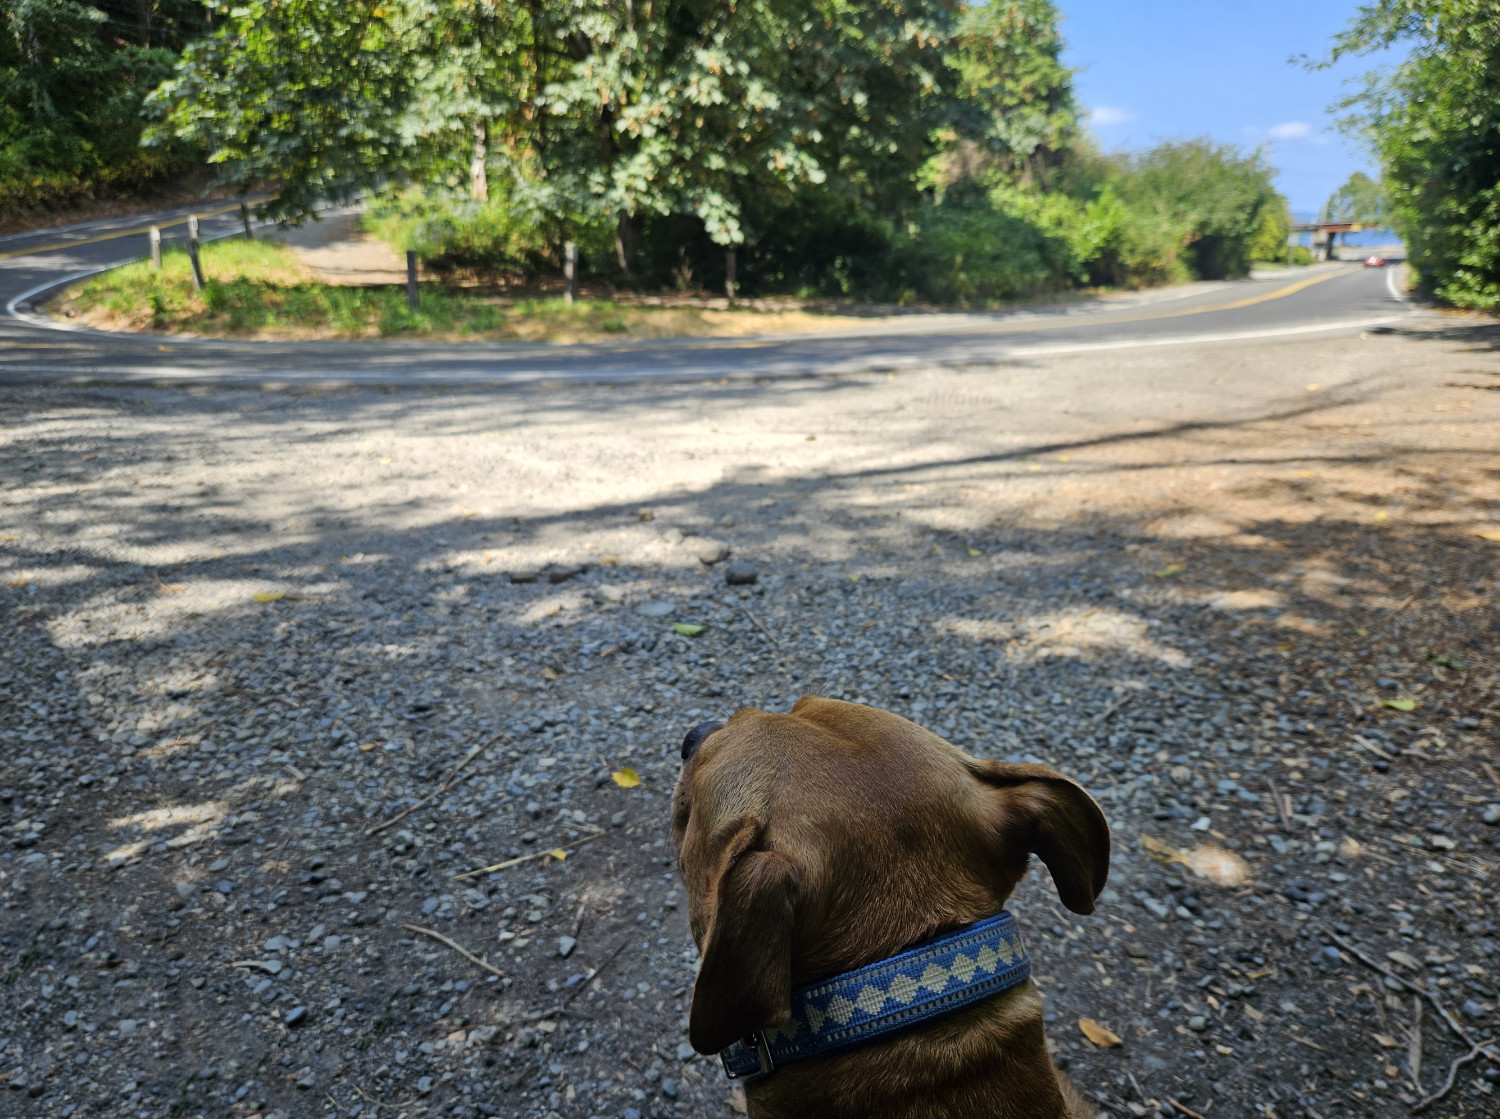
(822, 840)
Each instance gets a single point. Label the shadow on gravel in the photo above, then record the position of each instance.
(196, 921)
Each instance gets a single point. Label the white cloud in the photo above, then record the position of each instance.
(1291, 130)
(1109, 114)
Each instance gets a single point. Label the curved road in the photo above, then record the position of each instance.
(37, 349)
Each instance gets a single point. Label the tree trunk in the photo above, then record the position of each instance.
(627, 239)
(479, 183)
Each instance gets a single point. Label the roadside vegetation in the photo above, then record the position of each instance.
(1434, 122)
(259, 289)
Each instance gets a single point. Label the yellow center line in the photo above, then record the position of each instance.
(112, 236)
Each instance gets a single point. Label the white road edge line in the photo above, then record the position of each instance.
(415, 377)
(1390, 285)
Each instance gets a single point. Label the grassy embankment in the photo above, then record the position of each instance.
(255, 289)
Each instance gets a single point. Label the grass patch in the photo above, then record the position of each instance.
(258, 289)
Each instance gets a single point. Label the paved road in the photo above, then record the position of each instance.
(35, 348)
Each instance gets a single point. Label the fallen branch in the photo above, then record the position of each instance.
(1286, 820)
(1104, 715)
(562, 1007)
(1479, 1047)
(440, 790)
(527, 858)
(1304, 1041)
(459, 948)
(1453, 1023)
(1495, 777)
(1189, 1112)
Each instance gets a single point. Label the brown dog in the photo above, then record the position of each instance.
(821, 841)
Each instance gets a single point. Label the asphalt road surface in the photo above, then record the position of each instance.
(36, 348)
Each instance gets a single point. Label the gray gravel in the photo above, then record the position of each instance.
(196, 922)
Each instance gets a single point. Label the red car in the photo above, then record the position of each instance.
(1374, 262)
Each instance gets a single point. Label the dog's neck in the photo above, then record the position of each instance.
(988, 1061)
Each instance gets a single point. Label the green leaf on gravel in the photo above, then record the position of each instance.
(1450, 662)
(1399, 704)
(687, 629)
(1170, 570)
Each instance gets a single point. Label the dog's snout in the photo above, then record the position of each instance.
(695, 738)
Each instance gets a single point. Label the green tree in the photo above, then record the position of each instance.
(1434, 121)
(593, 107)
(1360, 201)
(72, 77)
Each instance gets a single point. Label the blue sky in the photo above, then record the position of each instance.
(1152, 70)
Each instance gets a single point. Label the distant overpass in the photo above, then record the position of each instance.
(1325, 235)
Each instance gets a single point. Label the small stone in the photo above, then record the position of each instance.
(430, 906)
(711, 552)
(562, 572)
(645, 515)
(608, 595)
(1198, 1023)
(1491, 814)
(685, 1051)
(128, 1025)
(1136, 951)
(1329, 956)
(669, 1088)
(1202, 823)
(305, 1077)
(657, 608)
(295, 1016)
(424, 1085)
(525, 575)
(1472, 1009)
(740, 574)
(565, 946)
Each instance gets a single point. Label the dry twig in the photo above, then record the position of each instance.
(1489, 1048)
(1286, 821)
(771, 637)
(1414, 1043)
(440, 790)
(459, 948)
(527, 858)
(1104, 715)
(1189, 1112)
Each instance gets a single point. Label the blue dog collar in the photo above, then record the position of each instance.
(946, 974)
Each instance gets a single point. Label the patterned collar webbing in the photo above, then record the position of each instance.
(936, 978)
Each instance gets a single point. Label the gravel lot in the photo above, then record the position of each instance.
(244, 629)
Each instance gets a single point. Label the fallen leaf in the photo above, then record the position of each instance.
(551, 674)
(1284, 648)
(610, 561)
(1489, 534)
(687, 629)
(467, 513)
(737, 1102)
(1388, 1041)
(1450, 662)
(21, 582)
(626, 778)
(268, 596)
(1170, 570)
(1219, 865)
(365, 747)
(558, 853)
(975, 552)
(1399, 704)
(1382, 515)
(1405, 959)
(1224, 1050)
(1253, 1014)
(1096, 1033)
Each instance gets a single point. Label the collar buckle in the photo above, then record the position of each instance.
(762, 1048)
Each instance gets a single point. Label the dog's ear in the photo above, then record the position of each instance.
(745, 981)
(1034, 809)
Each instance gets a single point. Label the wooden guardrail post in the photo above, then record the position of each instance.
(245, 218)
(192, 224)
(729, 274)
(411, 279)
(155, 247)
(570, 272)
